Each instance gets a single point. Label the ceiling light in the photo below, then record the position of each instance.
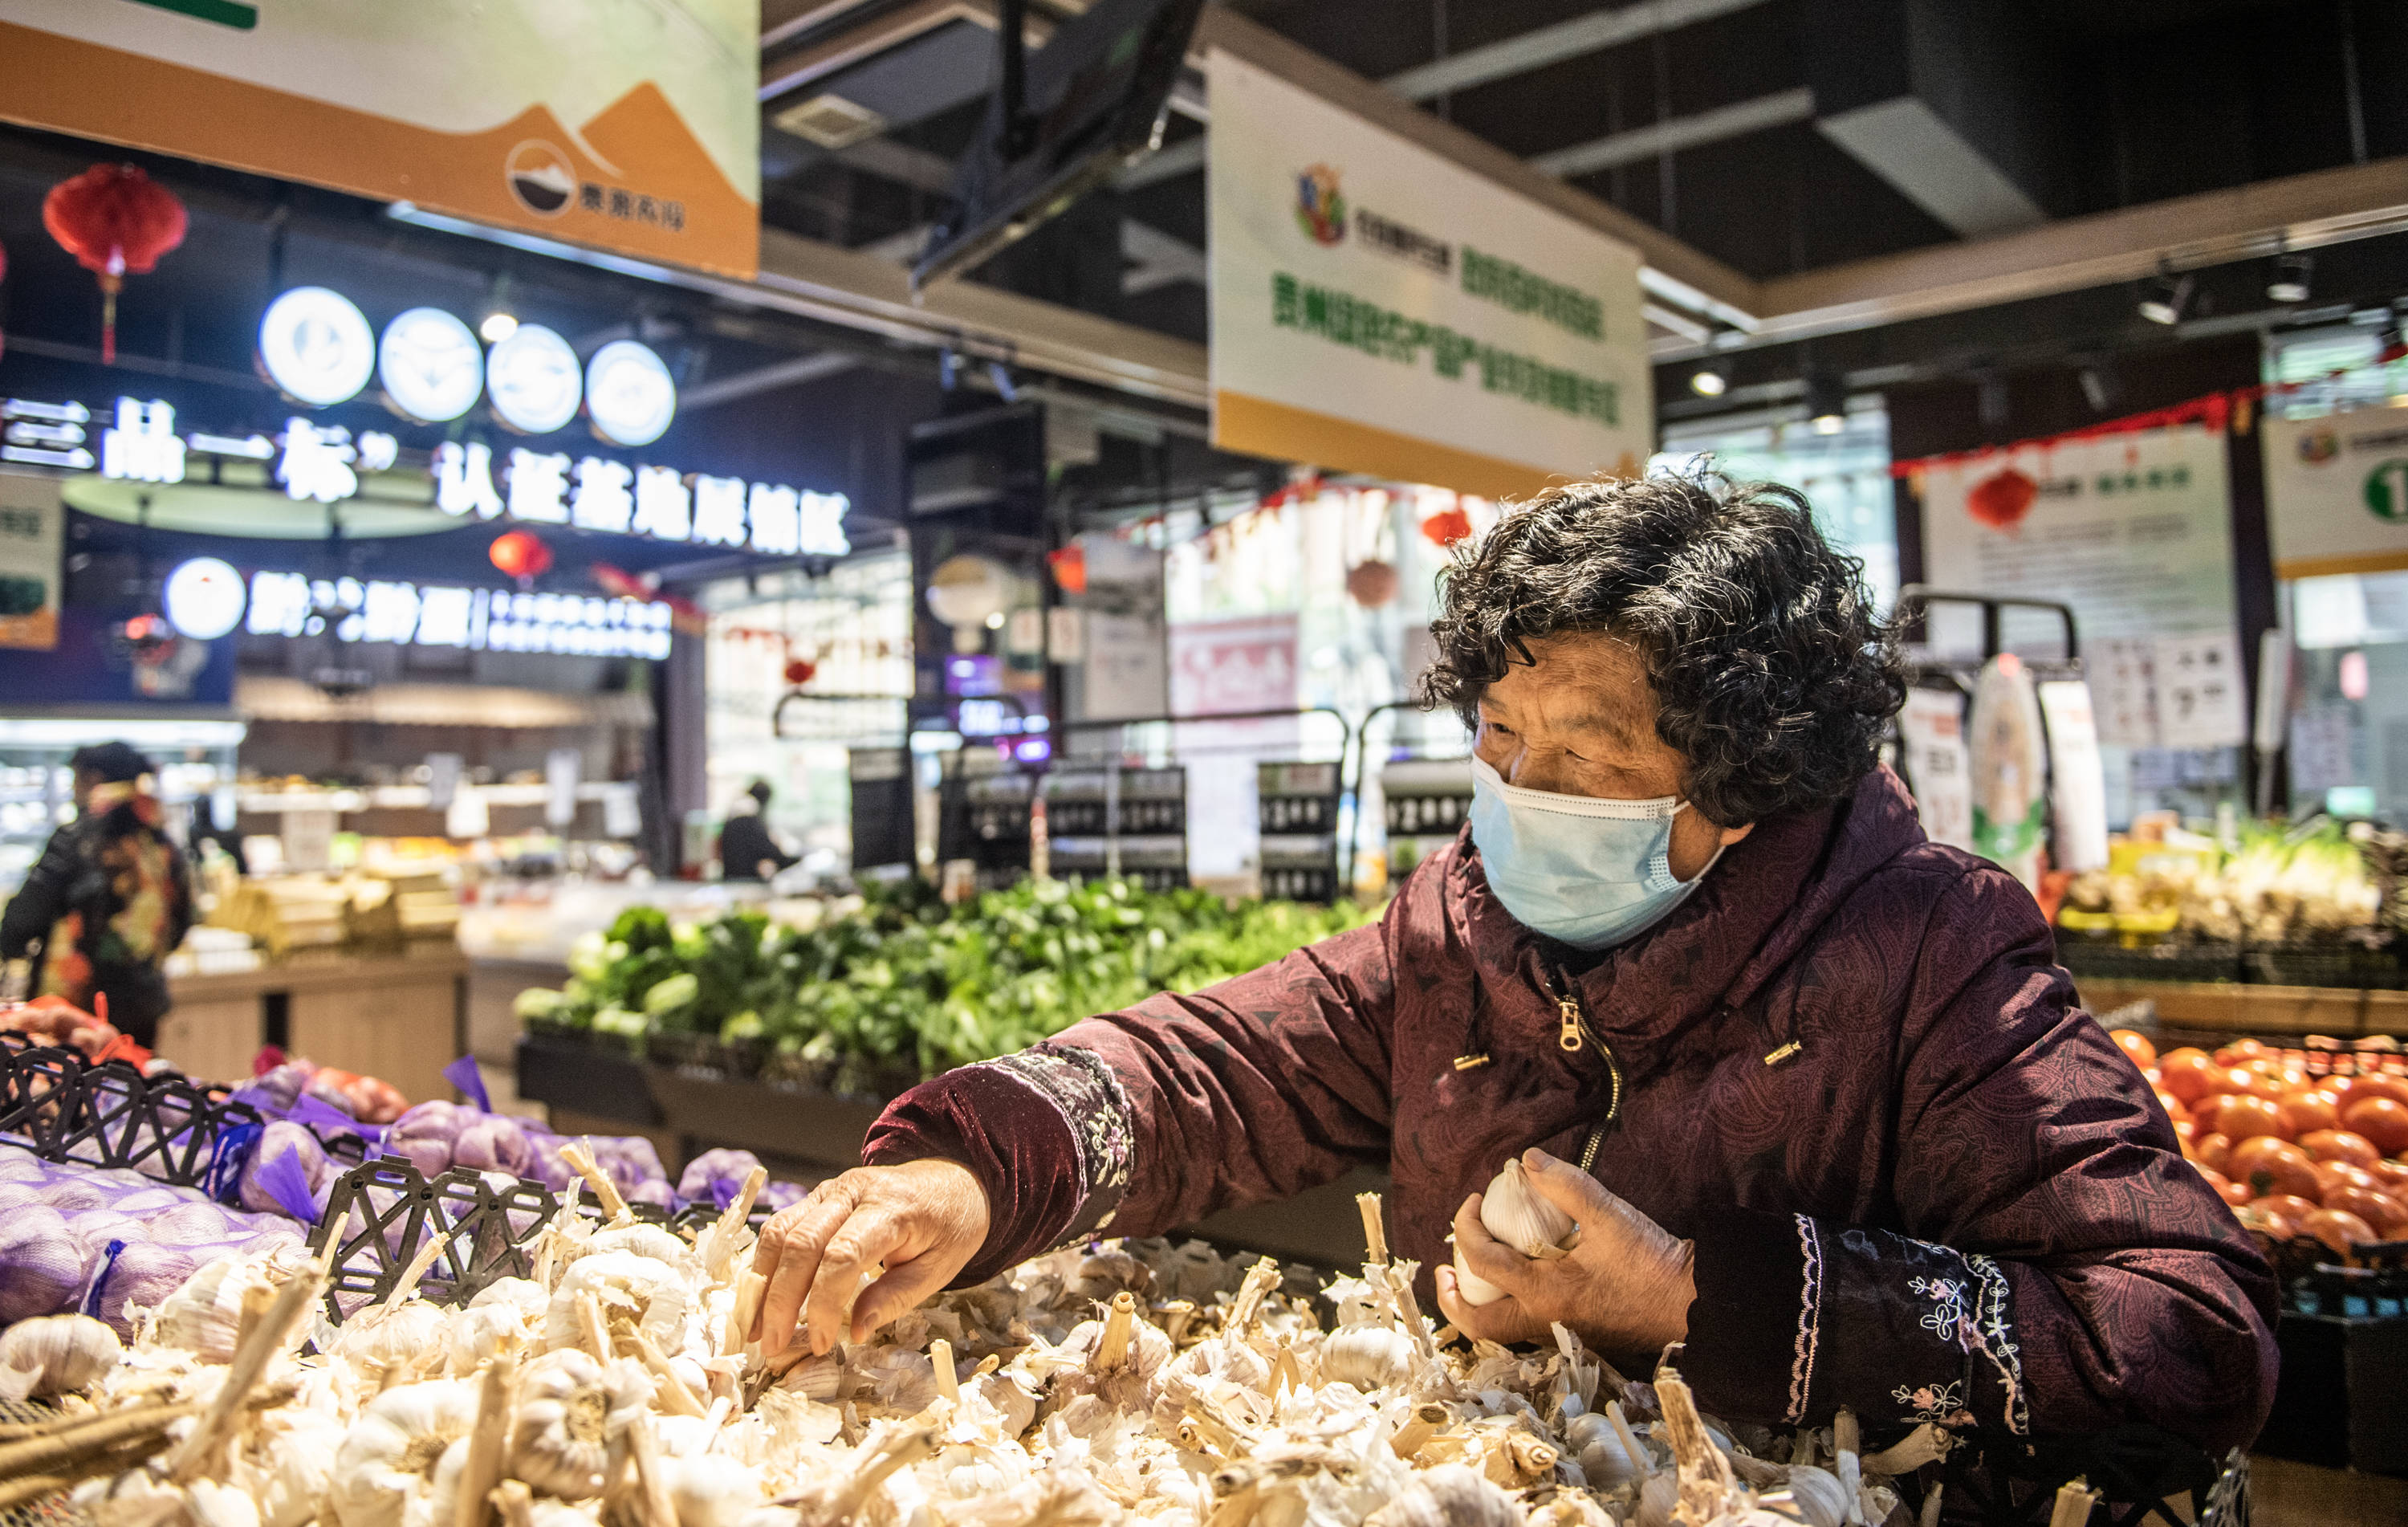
(1708, 383)
(1826, 402)
(2166, 302)
(2291, 276)
(498, 326)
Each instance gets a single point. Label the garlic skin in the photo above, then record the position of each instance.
(300, 1465)
(388, 1457)
(1518, 1215)
(711, 1492)
(1448, 1495)
(482, 1333)
(569, 1408)
(524, 1295)
(398, 1343)
(1816, 1497)
(204, 1312)
(56, 1354)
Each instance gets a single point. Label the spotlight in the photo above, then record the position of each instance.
(1826, 403)
(498, 326)
(2165, 304)
(1708, 383)
(2096, 390)
(2291, 276)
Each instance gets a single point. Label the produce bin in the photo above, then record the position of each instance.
(2336, 1403)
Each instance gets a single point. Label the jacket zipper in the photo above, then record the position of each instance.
(1570, 1037)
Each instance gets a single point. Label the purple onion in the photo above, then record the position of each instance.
(39, 1266)
(493, 1143)
(282, 1139)
(144, 1274)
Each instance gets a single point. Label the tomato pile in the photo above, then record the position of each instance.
(2295, 1155)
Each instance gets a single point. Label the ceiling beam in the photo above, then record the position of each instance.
(1532, 51)
(891, 29)
(1184, 157)
(1673, 134)
(2187, 233)
(766, 379)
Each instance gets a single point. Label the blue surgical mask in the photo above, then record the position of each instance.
(1588, 872)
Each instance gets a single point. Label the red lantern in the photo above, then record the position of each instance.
(1374, 583)
(1069, 565)
(117, 222)
(520, 555)
(1447, 526)
(2002, 501)
(800, 672)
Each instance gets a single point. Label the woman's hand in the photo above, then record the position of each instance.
(913, 1227)
(1625, 1290)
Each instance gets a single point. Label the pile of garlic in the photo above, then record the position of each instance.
(1136, 1381)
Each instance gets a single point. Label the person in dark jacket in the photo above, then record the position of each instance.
(746, 849)
(1823, 1103)
(110, 898)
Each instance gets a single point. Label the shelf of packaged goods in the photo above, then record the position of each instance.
(2239, 1008)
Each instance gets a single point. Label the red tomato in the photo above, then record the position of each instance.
(2175, 1108)
(2231, 1192)
(2381, 1120)
(2393, 1175)
(2184, 1073)
(2307, 1111)
(2387, 1215)
(2264, 1222)
(2355, 1088)
(2185, 1130)
(2335, 1174)
(2271, 1165)
(2137, 1045)
(2243, 1117)
(2240, 1050)
(2290, 1207)
(2213, 1151)
(2338, 1229)
(2341, 1146)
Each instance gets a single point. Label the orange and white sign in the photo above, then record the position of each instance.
(629, 125)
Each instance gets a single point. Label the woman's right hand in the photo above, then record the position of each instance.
(913, 1226)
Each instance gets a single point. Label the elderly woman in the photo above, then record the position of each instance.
(1822, 1103)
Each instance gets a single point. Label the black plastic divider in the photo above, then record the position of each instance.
(167, 1127)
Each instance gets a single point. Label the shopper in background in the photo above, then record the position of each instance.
(747, 850)
(110, 898)
(1825, 1109)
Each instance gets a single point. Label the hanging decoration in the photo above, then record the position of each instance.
(520, 555)
(1374, 583)
(1447, 526)
(800, 672)
(684, 614)
(1070, 568)
(2001, 499)
(117, 222)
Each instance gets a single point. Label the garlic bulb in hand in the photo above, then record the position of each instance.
(56, 1354)
(1516, 1213)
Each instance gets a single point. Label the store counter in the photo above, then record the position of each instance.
(400, 1017)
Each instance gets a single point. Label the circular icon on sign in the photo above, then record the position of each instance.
(629, 394)
(316, 346)
(203, 598)
(432, 368)
(2387, 490)
(533, 379)
(542, 177)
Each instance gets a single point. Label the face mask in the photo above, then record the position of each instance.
(1588, 872)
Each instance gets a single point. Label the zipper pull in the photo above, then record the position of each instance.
(1568, 1037)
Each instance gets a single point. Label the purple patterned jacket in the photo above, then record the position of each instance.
(1922, 1182)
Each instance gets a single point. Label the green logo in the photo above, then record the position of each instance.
(2387, 490)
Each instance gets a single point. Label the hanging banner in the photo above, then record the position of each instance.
(30, 517)
(2133, 531)
(629, 125)
(2337, 492)
(1378, 308)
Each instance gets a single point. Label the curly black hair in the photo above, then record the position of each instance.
(1772, 675)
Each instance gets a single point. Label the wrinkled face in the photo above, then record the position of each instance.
(1581, 721)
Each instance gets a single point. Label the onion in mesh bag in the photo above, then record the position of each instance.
(280, 1139)
(143, 1274)
(491, 1143)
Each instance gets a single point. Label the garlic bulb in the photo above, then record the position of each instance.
(398, 1343)
(1369, 1357)
(299, 1453)
(482, 1332)
(1816, 1497)
(649, 1289)
(524, 1295)
(43, 1267)
(56, 1354)
(1605, 1460)
(644, 1240)
(711, 1492)
(1657, 1495)
(388, 1457)
(1518, 1215)
(204, 1314)
(1448, 1495)
(569, 1407)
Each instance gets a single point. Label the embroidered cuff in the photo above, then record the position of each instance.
(1046, 1133)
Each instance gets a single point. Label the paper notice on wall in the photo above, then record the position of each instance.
(2123, 689)
(1066, 633)
(308, 839)
(442, 779)
(621, 815)
(1933, 727)
(1126, 670)
(2200, 690)
(2077, 785)
(2133, 531)
(2321, 753)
